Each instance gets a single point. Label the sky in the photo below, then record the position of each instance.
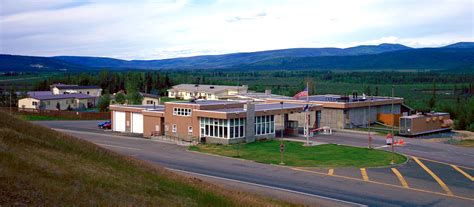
(159, 29)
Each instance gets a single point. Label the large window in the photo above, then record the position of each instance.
(222, 128)
(181, 112)
(264, 125)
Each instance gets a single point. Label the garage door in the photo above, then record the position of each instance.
(119, 121)
(137, 123)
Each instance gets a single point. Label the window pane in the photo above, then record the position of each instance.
(242, 131)
(231, 132)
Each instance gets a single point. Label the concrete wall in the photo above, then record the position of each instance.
(352, 117)
(333, 118)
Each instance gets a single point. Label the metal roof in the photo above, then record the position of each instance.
(39, 93)
(61, 96)
(342, 99)
(206, 88)
(72, 87)
(149, 95)
(262, 107)
(207, 102)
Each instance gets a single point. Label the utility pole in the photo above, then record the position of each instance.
(281, 132)
(393, 135)
(307, 115)
(368, 122)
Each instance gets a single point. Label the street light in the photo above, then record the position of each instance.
(393, 136)
(368, 122)
(282, 146)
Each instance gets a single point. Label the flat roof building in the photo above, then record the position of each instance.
(214, 121)
(208, 92)
(348, 111)
(419, 124)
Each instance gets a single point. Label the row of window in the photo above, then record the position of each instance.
(222, 128)
(181, 112)
(35, 103)
(264, 125)
(231, 128)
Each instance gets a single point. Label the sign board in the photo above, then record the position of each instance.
(282, 147)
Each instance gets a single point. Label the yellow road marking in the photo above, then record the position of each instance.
(462, 172)
(440, 182)
(364, 174)
(421, 158)
(331, 172)
(385, 184)
(400, 177)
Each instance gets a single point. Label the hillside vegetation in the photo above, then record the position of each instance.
(41, 167)
(384, 56)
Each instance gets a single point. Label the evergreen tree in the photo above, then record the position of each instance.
(104, 102)
(120, 98)
(167, 81)
(148, 82)
(132, 87)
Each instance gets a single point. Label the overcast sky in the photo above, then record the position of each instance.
(164, 29)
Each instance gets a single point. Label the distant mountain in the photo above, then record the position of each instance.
(426, 58)
(461, 45)
(227, 60)
(384, 56)
(29, 63)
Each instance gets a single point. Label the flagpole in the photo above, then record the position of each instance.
(307, 117)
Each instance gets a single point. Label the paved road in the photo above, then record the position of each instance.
(419, 182)
(416, 147)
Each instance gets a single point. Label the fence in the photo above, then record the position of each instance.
(81, 115)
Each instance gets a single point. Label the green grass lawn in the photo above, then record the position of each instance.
(327, 155)
(30, 117)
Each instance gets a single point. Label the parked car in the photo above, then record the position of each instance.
(102, 124)
(107, 126)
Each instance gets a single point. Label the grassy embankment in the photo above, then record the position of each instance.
(466, 143)
(29, 117)
(327, 155)
(39, 166)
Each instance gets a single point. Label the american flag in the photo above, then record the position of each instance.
(303, 93)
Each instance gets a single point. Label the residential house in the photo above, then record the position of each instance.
(207, 92)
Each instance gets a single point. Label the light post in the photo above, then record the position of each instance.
(368, 122)
(393, 135)
(282, 146)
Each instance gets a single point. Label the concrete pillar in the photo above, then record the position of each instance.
(250, 123)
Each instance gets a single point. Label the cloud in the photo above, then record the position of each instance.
(163, 29)
(252, 17)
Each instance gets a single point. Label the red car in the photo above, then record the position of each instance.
(107, 126)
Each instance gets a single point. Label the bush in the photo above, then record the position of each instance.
(104, 102)
(120, 98)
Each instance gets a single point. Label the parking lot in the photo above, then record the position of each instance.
(417, 174)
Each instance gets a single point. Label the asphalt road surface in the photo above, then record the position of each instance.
(443, 180)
